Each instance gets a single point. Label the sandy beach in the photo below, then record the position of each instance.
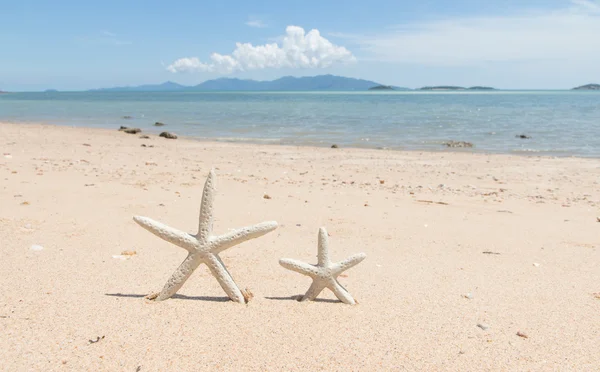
(474, 262)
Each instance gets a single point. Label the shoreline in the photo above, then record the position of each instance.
(472, 260)
(442, 148)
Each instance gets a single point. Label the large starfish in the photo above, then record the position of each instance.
(204, 247)
(324, 274)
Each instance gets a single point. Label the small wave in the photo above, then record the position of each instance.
(528, 150)
(241, 139)
(542, 151)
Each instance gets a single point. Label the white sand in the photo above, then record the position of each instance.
(81, 200)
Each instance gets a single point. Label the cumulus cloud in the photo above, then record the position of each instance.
(297, 49)
(567, 34)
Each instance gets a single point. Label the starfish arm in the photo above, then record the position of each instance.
(313, 291)
(223, 242)
(205, 223)
(341, 293)
(348, 263)
(323, 249)
(177, 237)
(179, 277)
(217, 268)
(299, 267)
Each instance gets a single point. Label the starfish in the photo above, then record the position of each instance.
(203, 247)
(324, 274)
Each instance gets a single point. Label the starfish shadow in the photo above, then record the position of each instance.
(177, 296)
(299, 297)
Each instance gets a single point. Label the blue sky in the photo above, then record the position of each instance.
(73, 45)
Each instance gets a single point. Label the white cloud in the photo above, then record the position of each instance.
(297, 49)
(256, 23)
(591, 6)
(570, 34)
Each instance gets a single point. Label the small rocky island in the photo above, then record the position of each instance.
(588, 87)
(382, 87)
(452, 87)
(480, 88)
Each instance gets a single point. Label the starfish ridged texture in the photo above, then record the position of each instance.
(204, 247)
(324, 274)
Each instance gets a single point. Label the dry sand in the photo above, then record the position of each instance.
(538, 216)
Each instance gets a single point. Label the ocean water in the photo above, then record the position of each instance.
(560, 123)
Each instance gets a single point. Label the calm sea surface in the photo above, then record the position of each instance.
(560, 123)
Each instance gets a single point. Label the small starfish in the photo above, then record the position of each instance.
(324, 274)
(203, 247)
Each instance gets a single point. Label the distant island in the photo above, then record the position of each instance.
(287, 83)
(382, 87)
(452, 87)
(480, 88)
(588, 87)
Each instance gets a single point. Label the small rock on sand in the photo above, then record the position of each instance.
(266, 196)
(334, 146)
(129, 130)
(168, 135)
(144, 137)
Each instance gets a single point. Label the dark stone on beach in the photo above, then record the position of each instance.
(523, 136)
(144, 137)
(159, 124)
(168, 135)
(122, 128)
(127, 117)
(458, 144)
(334, 146)
(132, 130)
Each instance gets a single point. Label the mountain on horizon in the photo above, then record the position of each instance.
(286, 83)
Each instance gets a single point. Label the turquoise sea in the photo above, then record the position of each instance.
(560, 123)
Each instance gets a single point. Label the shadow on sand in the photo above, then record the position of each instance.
(176, 296)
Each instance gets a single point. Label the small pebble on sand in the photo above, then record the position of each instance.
(483, 326)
